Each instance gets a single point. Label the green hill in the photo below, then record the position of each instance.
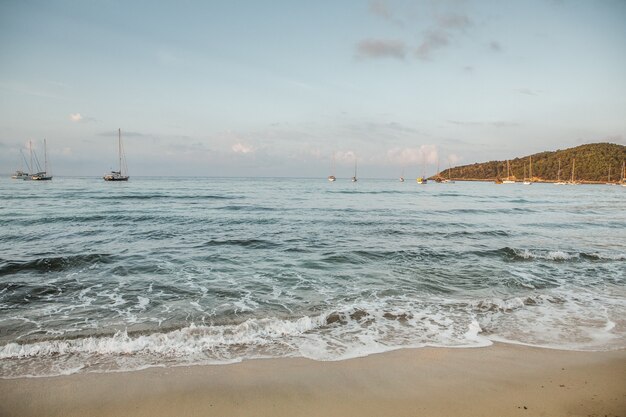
(592, 164)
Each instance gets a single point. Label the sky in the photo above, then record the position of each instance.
(277, 88)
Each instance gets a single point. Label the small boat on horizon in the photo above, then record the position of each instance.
(529, 181)
(558, 176)
(508, 179)
(354, 179)
(332, 177)
(40, 175)
(118, 175)
(573, 181)
(20, 174)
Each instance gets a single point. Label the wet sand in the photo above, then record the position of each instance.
(501, 380)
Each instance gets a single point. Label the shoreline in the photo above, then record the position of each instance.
(502, 379)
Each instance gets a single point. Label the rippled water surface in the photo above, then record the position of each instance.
(99, 276)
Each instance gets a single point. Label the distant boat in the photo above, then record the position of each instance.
(402, 176)
(331, 177)
(422, 179)
(40, 175)
(449, 180)
(558, 176)
(508, 179)
(118, 175)
(529, 181)
(608, 181)
(20, 174)
(354, 179)
(572, 181)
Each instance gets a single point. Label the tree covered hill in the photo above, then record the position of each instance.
(592, 164)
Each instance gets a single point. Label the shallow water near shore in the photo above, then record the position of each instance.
(99, 276)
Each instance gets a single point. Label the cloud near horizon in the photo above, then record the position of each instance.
(425, 154)
(242, 148)
(76, 117)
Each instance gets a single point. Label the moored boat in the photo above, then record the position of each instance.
(118, 175)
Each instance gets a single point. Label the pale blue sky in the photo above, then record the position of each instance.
(274, 88)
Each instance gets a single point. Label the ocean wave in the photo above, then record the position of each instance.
(296, 333)
(246, 243)
(552, 255)
(131, 197)
(50, 264)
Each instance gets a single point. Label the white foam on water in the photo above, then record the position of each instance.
(565, 318)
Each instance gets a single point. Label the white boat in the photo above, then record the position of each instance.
(449, 179)
(558, 176)
(119, 174)
(20, 174)
(354, 179)
(508, 179)
(572, 181)
(529, 181)
(40, 175)
(332, 178)
(608, 181)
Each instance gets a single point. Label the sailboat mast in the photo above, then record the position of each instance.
(558, 174)
(573, 168)
(45, 156)
(119, 147)
(30, 148)
(530, 169)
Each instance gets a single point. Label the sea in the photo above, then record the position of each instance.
(104, 277)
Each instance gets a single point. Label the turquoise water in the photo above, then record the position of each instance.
(99, 276)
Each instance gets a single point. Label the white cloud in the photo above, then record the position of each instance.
(76, 117)
(242, 148)
(425, 154)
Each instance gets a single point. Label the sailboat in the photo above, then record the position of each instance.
(529, 181)
(354, 179)
(118, 175)
(331, 177)
(41, 175)
(508, 179)
(20, 174)
(572, 181)
(422, 179)
(449, 180)
(438, 177)
(608, 181)
(402, 176)
(558, 176)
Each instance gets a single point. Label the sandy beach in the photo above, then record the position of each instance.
(501, 380)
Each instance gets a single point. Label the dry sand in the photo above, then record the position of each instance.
(501, 380)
